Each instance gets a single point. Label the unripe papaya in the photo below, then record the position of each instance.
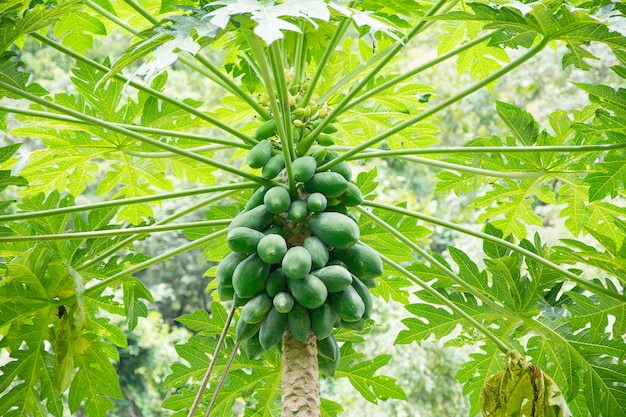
(256, 199)
(328, 367)
(296, 263)
(277, 200)
(244, 331)
(272, 328)
(243, 239)
(225, 293)
(361, 260)
(328, 347)
(325, 140)
(299, 323)
(283, 302)
(318, 251)
(298, 211)
(257, 218)
(310, 292)
(342, 168)
(273, 167)
(348, 304)
(271, 248)
(365, 295)
(260, 154)
(265, 129)
(322, 320)
(320, 155)
(225, 269)
(352, 196)
(334, 229)
(331, 184)
(276, 282)
(303, 168)
(335, 277)
(250, 276)
(316, 202)
(252, 347)
(256, 309)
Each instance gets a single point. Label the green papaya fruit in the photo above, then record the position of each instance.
(276, 282)
(273, 167)
(329, 183)
(335, 277)
(328, 367)
(265, 129)
(299, 323)
(361, 260)
(298, 211)
(225, 269)
(259, 154)
(225, 293)
(303, 168)
(272, 248)
(342, 168)
(328, 347)
(272, 328)
(256, 199)
(310, 292)
(243, 239)
(296, 263)
(365, 295)
(252, 347)
(256, 309)
(348, 304)
(352, 196)
(283, 302)
(334, 229)
(257, 218)
(244, 331)
(322, 320)
(318, 251)
(277, 200)
(316, 202)
(249, 276)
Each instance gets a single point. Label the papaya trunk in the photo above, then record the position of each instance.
(301, 397)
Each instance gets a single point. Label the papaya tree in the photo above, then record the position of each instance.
(293, 97)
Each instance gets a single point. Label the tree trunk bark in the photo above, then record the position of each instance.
(301, 397)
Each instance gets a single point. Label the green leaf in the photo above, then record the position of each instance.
(610, 176)
(606, 96)
(510, 205)
(134, 290)
(33, 19)
(76, 28)
(361, 375)
(476, 370)
(96, 381)
(27, 381)
(12, 72)
(384, 242)
(521, 122)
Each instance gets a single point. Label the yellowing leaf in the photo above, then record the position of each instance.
(522, 389)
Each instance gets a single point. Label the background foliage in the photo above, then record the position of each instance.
(122, 118)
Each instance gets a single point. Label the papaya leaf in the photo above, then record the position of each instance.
(96, 381)
(14, 28)
(361, 375)
(520, 122)
(522, 389)
(76, 30)
(609, 177)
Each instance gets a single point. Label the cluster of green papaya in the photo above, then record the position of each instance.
(296, 261)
